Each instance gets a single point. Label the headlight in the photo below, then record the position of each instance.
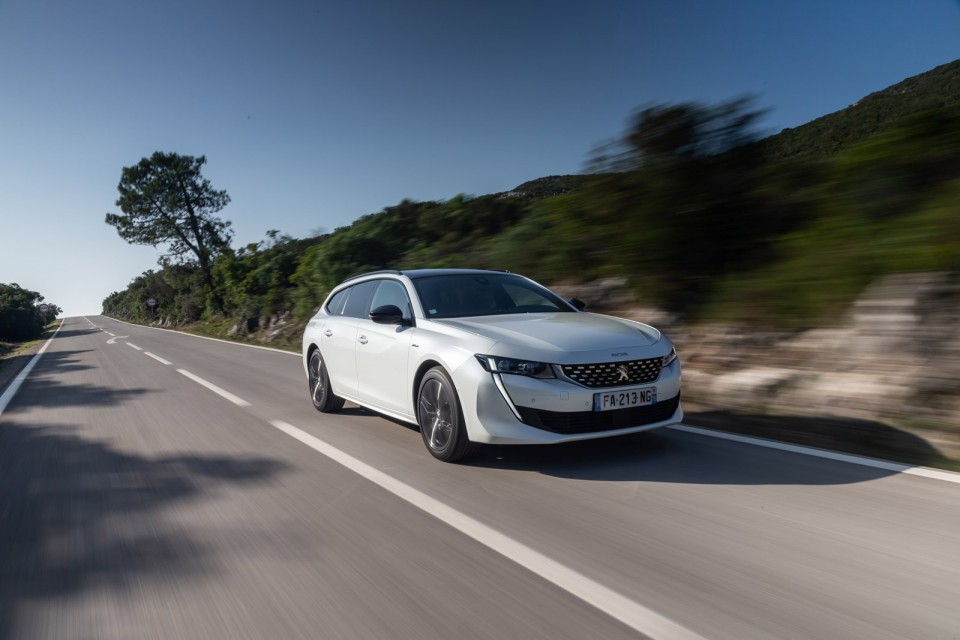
(496, 364)
(670, 357)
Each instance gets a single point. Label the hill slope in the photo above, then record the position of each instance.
(937, 89)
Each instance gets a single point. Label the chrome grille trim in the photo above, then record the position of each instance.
(600, 375)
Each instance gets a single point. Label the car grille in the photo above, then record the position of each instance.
(593, 421)
(614, 374)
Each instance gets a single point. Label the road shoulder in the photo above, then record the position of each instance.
(12, 363)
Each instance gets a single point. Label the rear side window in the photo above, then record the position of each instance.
(335, 306)
(358, 302)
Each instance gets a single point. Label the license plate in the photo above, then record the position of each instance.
(624, 399)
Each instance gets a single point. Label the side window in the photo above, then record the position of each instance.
(392, 292)
(335, 306)
(358, 302)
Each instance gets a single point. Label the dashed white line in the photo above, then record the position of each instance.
(627, 611)
(240, 402)
(157, 358)
(193, 335)
(130, 344)
(108, 333)
(926, 472)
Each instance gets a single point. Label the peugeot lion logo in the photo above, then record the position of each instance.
(624, 374)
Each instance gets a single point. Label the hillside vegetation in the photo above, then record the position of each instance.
(21, 317)
(700, 216)
(937, 89)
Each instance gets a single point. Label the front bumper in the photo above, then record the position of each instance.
(515, 409)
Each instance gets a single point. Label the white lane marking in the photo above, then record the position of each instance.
(193, 335)
(15, 385)
(926, 472)
(240, 402)
(114, 339)
(157, 358)
(617, 606)
(130, 344)
(108, 333)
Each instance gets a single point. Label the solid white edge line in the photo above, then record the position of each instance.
(897, 467)
(157, 358)
(631, 613)
(240, 402)
(15, 385)
(130, 344)
(193, 335)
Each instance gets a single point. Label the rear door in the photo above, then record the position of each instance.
(338, 340)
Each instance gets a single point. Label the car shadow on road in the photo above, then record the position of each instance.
(79, 514)
(667, 455)
(351, 409)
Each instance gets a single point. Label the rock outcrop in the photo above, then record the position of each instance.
(894, 358)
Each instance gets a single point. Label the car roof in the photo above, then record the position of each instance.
(414, 274)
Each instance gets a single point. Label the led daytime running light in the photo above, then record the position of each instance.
(498, 364)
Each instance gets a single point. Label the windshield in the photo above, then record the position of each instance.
(464, 295)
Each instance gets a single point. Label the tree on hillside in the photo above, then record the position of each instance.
(19, 316)
(671, 133)
(679, 199)
(165, 200)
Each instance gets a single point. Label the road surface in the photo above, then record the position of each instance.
(159, 485)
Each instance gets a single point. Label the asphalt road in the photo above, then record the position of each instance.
(158, 485)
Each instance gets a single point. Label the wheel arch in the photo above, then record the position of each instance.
(425, 366)
(309, 354)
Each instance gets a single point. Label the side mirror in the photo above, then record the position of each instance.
(578, 303)
(387, 314)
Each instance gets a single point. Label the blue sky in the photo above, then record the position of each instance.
(312, 114)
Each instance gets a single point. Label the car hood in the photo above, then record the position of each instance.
(557, 337)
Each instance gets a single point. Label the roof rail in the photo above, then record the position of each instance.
(372, 273)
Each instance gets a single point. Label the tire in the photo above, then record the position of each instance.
(318, 381)
(440, 418)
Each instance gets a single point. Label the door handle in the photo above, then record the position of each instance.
(328, 333)
(362, 339)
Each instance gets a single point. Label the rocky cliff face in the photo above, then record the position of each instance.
(279, 330)
(893, 360)
(889, 367)
(894, 357)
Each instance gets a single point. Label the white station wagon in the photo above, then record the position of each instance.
(477, 357)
